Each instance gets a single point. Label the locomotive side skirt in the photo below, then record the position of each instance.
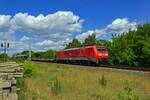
(77, 59)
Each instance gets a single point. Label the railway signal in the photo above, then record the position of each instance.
(5, 45)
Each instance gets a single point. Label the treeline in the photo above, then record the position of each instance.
(90, 40)
(49, 54)
(130, 48)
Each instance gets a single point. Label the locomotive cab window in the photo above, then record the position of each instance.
(101, 49)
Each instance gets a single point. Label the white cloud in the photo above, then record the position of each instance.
(25, 39)
(90, 32)
(48, 44)
(118, 26)
(45, 42)
(56, 27)
(53, 26)
(60, 23)
(84, 35)
(5, 27)
(121, 25)
(53, 31)
(4, 22)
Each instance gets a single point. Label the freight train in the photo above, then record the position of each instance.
(86, 55)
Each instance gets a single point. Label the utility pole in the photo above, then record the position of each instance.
(29, 50)
(5, 45)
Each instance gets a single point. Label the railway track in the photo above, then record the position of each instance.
(9, 73)
(123, 67)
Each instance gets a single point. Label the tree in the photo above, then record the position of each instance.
(4, 57)
(90, 40)
(103, 42)
(132, 48)
(49, 54)
(74, 44)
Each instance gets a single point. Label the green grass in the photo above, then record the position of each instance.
(50, 81)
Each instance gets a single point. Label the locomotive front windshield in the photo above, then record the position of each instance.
(101, 49)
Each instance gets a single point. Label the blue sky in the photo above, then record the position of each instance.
(102, 17)
(97, 13)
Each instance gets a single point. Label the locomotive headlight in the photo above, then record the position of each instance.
(106, 54)
(100, 54)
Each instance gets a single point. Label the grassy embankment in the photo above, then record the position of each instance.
(49, 81)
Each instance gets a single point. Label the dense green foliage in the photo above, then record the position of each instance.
(28, 70)
(74, 43)
(131, 48)
(47, 54)
(4, 57)
(90, 40)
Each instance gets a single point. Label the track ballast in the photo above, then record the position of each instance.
(124, 67)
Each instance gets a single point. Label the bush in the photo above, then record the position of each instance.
(103, 81)
(110, 61)
(56, 87)
(28, 69)
(28, 73)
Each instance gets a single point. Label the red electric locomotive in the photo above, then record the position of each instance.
(90, 54)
